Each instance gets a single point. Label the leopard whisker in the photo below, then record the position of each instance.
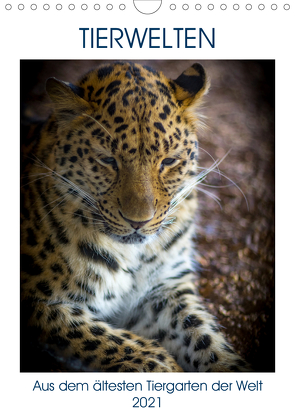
(88, 208)
(168, 221)
(96, 121)
(41, 177)
(233, 183)
(214, 197)
(88, 218)
(36, 161)
(73, 185)
(168, 226)
(51, 202)
(53, 208)
(184, 192)
(209, 154)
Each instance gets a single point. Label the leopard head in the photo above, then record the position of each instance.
(126, 138)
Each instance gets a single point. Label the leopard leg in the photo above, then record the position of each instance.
(81, 340)
(174, 316)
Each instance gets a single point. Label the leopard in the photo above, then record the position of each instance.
(108, 224)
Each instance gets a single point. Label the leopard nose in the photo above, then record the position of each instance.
(135, 224)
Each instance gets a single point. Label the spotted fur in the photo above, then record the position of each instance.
(107, 226)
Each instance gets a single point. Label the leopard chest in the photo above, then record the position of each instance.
(112, 284)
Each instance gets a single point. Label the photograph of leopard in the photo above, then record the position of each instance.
(113, 203)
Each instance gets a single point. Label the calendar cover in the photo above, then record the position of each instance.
(148, 146)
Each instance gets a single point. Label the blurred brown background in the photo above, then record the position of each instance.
(235, 243)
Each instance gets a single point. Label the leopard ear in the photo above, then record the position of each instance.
(191, 85)
(67, 100)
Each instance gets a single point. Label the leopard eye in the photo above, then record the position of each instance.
(168, 161)
(109, 161)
